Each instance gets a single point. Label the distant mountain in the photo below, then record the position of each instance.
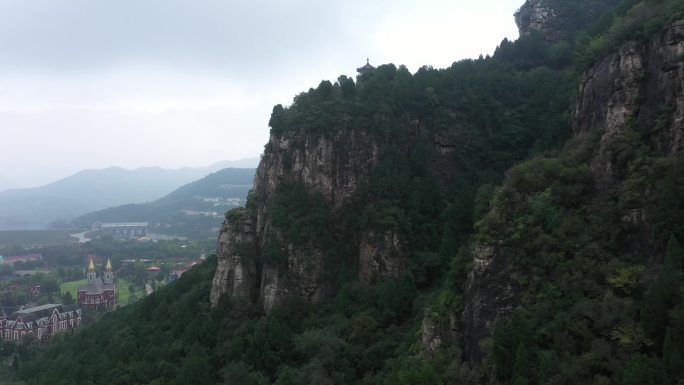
(92, 190)
(192, 210)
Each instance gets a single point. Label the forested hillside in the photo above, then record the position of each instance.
(186, 211)
(513, 219)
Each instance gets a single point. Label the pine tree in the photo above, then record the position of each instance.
(663, 295)
(522, 369)
(673, 345)
(644, 370)
(674, 255)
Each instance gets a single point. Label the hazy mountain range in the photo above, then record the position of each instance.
(92, 190)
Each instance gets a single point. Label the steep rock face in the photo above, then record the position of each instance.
(435, 332)
(617, 98)
(379, 256)
(491, 294)
(332, 165)
(301, 276)
(616, 101)
(236, 269)
(556, 20)
(537, 16)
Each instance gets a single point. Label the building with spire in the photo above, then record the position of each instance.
(366, 68)
(100, 292)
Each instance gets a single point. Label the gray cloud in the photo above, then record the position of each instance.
(219, 35)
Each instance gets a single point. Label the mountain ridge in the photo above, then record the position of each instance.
(90, 190)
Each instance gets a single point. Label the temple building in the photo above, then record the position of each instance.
(100, 292)
(42, 322)
(365, 68)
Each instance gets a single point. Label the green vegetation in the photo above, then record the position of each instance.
(632, 20)
(585, 296)
(124, 293)
(165, 214)
(71, 287)
(32, 238)
(16, 291)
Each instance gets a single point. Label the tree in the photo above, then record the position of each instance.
(49, 285)
(510, 339)
(522, 368)
(644, 370)
(15, 362)
(67, 298)
(347, 87)
(663, 295)
(673, 257)
(673, 345)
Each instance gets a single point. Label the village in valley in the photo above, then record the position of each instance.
(51, 288)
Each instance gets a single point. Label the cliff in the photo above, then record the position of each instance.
(628, 130)
(330, 165)
(557, 20)
(259, 261)
(635, 90)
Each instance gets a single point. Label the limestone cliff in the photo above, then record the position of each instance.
(333, 165)
(637, 92)
(236, 269)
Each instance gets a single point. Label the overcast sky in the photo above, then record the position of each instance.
(96, 83)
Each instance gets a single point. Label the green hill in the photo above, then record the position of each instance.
(191, 210)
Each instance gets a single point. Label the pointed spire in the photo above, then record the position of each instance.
(366, 68)
(91, 266)
(109, 265)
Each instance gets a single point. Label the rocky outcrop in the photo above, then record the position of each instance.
(333, 165)
(537, 16)
(380, 256)
(639, 90)
(436, 332)
(236, 269)
(491, 294)
(301, 276)
(557, 20)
